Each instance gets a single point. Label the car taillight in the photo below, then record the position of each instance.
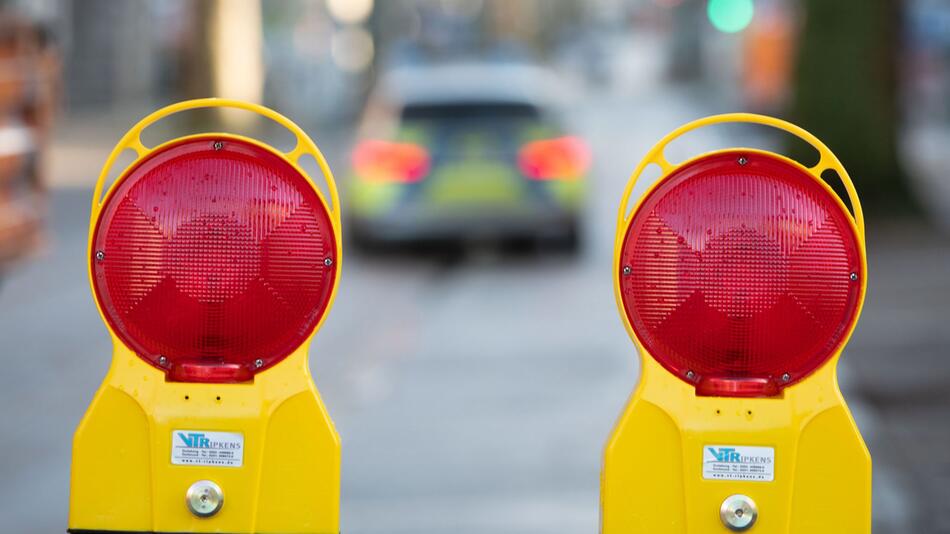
(214, 259)
(739, 273)
(385, 161)
(552, 159)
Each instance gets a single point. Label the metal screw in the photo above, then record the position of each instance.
(627, 270)
(100, 255)
(738, 513)
(690, 375)
(854, 277)
(786, 377)
(204, 498)
(258, 363)
(743, 160)
(218, 145)
(162, 361)
(328, 262)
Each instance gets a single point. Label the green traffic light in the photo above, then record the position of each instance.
(730, 16)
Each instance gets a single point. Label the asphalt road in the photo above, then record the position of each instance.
(475, 396)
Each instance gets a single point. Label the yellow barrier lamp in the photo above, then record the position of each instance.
(213, 259)
(740, 275)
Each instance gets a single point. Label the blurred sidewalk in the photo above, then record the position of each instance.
(896, 374)
(924, 150)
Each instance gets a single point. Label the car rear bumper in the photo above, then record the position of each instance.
(406, 228)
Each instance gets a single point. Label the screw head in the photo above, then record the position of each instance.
(743, 160)
(738, 513)
(204, 498)
(627, 270)
(217, 145)
(328, 262)
(258, 363)
(100, 255)
(163, 361)
(690, 375)
(786, 377)
(854, 277)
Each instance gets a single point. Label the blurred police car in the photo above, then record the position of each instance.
(466, 152)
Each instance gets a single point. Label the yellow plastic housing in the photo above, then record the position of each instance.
(652, 480)
(122, 475)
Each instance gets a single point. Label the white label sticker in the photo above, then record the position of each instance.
(737, 462)
(204, 447)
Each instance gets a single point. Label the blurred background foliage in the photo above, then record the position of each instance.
(846, 92)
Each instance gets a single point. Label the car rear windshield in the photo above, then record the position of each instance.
(464, 111)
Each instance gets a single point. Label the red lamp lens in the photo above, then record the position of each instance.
(743, 274)
(211, 259)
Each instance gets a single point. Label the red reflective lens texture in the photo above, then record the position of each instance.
(739, 269)
(213, 256)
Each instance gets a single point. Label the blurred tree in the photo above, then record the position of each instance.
(845, 92)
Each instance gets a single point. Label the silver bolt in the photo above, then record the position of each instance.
(328, 262)
(162, 361)
(258, 363)
(627, 270)
(738, 513)
(204, 498)
(690, 375)
(218, 145)
(854, 277)
(100, 255)
(786, 377)
(743, 160)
